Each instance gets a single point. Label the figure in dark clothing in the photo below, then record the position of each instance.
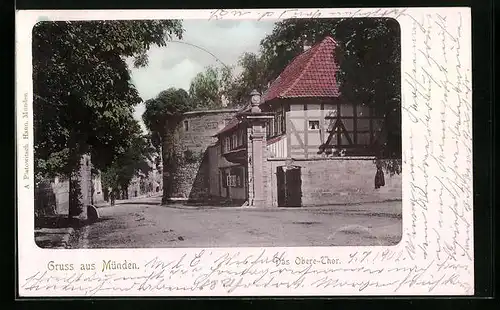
(112, 197)
(379, 177)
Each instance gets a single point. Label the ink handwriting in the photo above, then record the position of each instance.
(232, 272)
(440, 168)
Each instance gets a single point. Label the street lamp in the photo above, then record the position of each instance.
(255, 100)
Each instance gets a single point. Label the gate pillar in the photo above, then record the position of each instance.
(258, 174)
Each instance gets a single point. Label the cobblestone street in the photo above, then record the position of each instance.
(144, 223)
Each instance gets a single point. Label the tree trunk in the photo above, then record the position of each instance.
(92, 190)
(164, 177)
(112, 197)
(169, 158)
(105, 193)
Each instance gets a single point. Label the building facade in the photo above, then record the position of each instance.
(317, 148)
(195, 174)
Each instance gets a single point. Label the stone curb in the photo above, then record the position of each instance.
(332, 207)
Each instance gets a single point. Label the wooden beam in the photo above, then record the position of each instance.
(306, 129)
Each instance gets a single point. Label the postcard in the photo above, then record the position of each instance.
(252, 152)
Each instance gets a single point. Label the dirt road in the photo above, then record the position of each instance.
(145, 223)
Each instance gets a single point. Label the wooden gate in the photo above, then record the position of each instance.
(289, 184)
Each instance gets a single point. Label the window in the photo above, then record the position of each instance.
(313, 125)
(227, 146)
(186, 125)
(283, 122)
(279, 123)
(242, 137)
(235, 177)
(235, 141)
(276, 126)
(231, 180)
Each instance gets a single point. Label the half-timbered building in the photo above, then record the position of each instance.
(312, 119)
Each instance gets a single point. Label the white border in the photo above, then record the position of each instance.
(435, 256)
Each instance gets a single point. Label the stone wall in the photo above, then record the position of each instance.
(61, 192)
(52, 195)
(191, 177)
(98, 195)
(338, 181)
(214, 156)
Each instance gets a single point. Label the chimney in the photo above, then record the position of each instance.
(307, 45)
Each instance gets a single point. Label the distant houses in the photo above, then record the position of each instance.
(146, 185)
(52, 195)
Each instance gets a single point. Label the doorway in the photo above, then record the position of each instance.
(289, 186)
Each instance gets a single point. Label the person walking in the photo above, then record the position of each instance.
(112, 197)
(379, 176)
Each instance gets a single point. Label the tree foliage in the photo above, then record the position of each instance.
(210, 88)
(252, 76)
(135, 160)
(167, 105)
(217, 87)
(83, 96)
(368, 53)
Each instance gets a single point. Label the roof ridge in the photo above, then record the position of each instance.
(308, 64)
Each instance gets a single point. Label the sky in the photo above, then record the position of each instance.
(176, 64)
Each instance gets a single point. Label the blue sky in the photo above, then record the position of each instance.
(177, 64)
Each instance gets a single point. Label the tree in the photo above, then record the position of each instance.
(252, 76)
(161, 117)
(209, 89)
(369, 57)
(83, 96)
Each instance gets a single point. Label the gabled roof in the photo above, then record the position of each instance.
(230, 126)
(310, 74)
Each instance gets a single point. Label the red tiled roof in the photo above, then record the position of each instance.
(311, 74)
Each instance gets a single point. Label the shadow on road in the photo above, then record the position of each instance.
(149, 203)
(63, 221)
